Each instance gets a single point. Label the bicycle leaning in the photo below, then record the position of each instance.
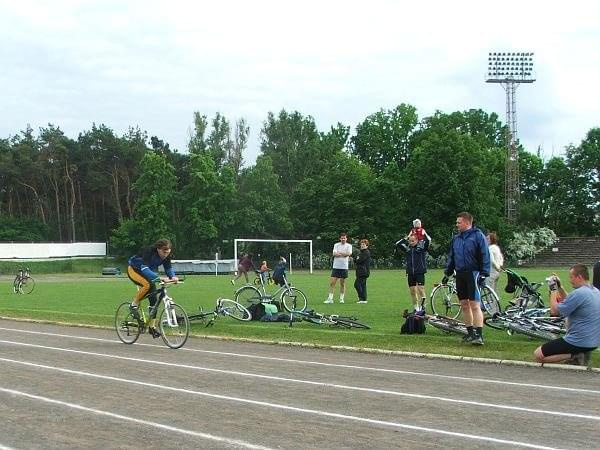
(23, 282)
(224, 307)
(292, 298)
(173, 321)
(444, 300)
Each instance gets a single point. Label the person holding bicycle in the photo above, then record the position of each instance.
(581, 309)
(142, 271)
(470, 257)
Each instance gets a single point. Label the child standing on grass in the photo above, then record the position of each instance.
(264, 272)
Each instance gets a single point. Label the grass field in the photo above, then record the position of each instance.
(79, 298)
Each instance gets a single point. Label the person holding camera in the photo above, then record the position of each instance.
(581, 309)
(469, 257)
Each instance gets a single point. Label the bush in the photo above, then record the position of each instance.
(526, 244)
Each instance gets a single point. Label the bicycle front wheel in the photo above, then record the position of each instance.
(127, 327)
(350, 323)
(489, 301)
(174, 326)
(248, 294)
(448, 325)
(235, 310)
(27, 285)
(444, 301)
(293, 299)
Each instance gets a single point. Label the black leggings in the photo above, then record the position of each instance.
(360, 284)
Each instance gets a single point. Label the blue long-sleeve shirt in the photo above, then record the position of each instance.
(148, 261)
(469, 253)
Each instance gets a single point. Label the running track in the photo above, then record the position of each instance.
(77, 387)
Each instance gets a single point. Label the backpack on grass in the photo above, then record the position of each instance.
(414, 323)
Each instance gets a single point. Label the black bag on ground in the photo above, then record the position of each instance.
(414, 323)
(257, 310)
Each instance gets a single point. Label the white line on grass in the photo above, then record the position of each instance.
(279, 406)
(211, 437)
(299, 381)
(318, 363)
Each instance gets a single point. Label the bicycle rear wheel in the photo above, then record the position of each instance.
(532, 331)
(497, 321)
(127, 327)
(174, 326)
(489, 301)
(448, 325)
(294, 299)
(444, 301)
(27, 285)
(247, 294)
(235, 310)
(350, 323)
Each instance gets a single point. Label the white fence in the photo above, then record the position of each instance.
(213, 266)
(51, 250)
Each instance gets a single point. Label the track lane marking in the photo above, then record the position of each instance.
(318, 363)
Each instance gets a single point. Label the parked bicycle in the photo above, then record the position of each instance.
(23, 282)
(333, 320)
(290, 297)
(525, 294)
(444, 300)
(224, 307)
(267, 279)
(173, 322)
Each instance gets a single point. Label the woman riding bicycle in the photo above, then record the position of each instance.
(142, 270)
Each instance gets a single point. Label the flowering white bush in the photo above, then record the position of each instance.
(524, 245)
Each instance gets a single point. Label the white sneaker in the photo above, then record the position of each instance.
(329, 300)
(341, 300)
(361, 301)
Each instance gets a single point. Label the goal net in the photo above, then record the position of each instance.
(284, 247)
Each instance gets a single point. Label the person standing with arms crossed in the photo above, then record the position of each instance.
(342, 251)
(469, 257)
(363, 271)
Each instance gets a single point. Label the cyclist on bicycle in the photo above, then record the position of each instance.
(142, 270)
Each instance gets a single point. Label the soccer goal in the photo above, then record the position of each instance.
(282, 241)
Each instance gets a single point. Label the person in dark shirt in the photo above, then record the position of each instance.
(362, 261)
(245, 265)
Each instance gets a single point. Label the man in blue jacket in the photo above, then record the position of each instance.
(469, 257)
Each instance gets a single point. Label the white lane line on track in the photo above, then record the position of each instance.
(282, 407)
(211, 437)
(4, 447)
(305, 382)
(318, 363)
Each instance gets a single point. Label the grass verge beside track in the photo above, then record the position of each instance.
(82, 299)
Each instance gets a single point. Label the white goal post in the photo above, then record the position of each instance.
(306, 241)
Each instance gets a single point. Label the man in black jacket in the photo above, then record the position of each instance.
(362, 261)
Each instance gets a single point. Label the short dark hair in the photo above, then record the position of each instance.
(343, 233)
(465, 215)
(163, 243)
(581, 270)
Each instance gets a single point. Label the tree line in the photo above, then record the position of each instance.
(306, 183)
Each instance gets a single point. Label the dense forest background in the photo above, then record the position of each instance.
(306, 183)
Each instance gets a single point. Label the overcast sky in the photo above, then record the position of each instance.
(153, 63)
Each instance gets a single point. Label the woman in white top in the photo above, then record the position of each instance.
(496, 260)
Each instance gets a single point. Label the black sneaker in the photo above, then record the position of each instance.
(468, 338)
(477, 340)
(135, 311)
(153, 332)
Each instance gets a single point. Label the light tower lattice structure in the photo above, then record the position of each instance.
(509, 69)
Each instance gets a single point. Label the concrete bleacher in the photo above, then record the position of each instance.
(567, 251)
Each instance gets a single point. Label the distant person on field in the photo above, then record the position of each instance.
(279, 272)
(470, 257)
(416, 265)
(581, 309)
(362, 262)
(245, 265)
(342, 251)
(496, 260)
(264, 272)
(142, 270)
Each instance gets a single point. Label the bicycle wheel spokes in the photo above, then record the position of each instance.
(127, 327)
(26, 285)
(234, 309)
(248, 294)
(489, 301)
(350, 323)
(293, 299)
(174, 326)
(447, 325)
(444, 301)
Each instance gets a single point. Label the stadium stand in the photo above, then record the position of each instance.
(567, 251)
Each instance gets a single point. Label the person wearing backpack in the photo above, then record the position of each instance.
(362, 262)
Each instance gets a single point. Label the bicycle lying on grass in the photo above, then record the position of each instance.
(23, 282)
(173, 322)
(447, 324)
(224, 307)
(444, 300)
(288, 295)
(333, 320)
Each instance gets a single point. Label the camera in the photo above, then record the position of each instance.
(552, 282)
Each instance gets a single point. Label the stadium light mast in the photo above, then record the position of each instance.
(509, 69)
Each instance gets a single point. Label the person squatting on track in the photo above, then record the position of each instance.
(142, 270)
(581, 309)
(469, 257)
(342, 251)
(362, 262)
(416, 265)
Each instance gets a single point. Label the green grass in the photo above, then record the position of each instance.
(78, 298)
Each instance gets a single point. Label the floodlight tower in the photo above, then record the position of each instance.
(510, 69)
